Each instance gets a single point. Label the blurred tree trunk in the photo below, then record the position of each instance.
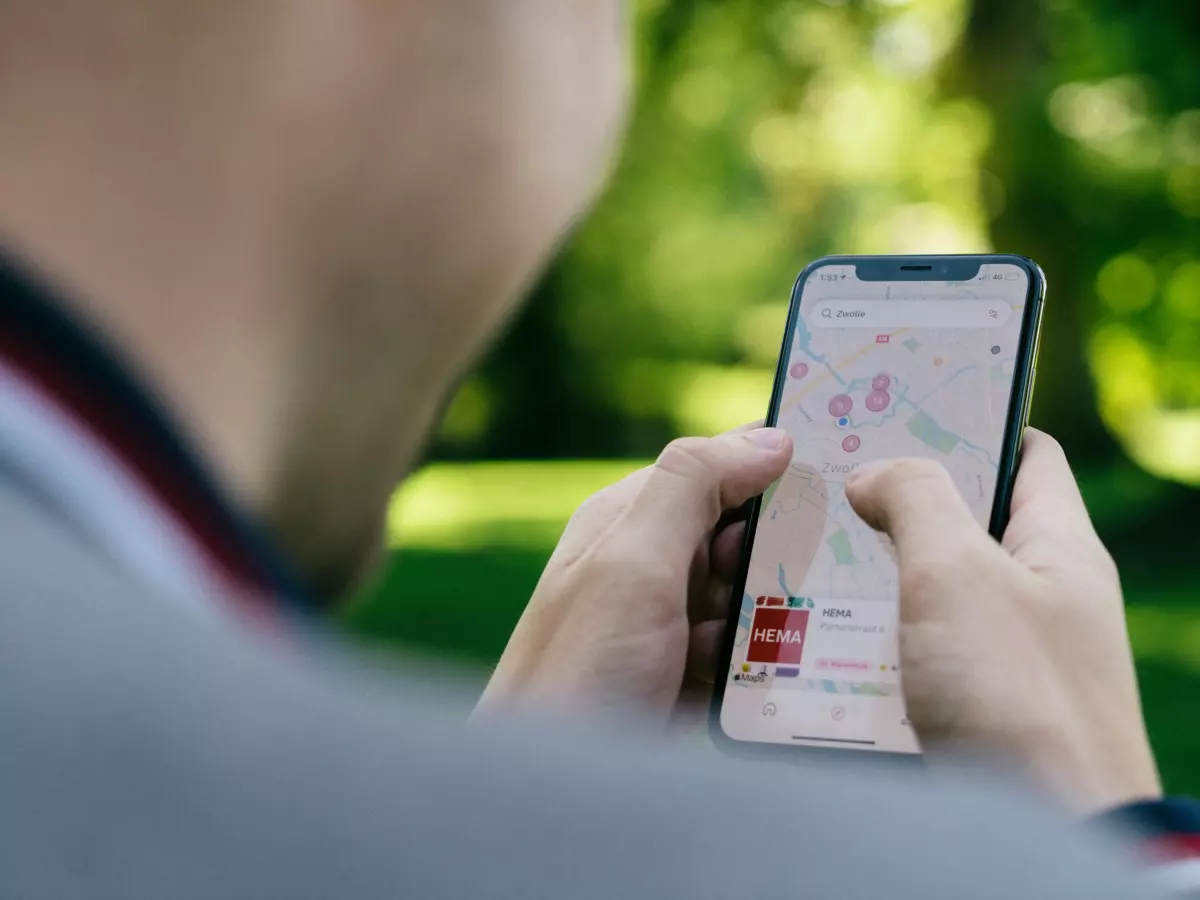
(1004, 64)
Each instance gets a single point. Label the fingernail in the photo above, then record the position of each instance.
(767, 438)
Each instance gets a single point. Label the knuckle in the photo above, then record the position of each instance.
(691, 459)
(595, 502)
(601, 501)
(684, 456)
(609, 502)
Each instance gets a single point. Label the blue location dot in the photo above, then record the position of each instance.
(843, 422)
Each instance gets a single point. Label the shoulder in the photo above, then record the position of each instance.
(45, 557)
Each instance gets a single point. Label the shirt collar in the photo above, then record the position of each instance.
(72, 400)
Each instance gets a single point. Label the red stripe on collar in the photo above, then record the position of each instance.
(1173, 847)
(69, 364)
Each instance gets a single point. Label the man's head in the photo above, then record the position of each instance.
(301, 219)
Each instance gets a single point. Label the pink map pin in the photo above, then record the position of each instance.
(877, 401)
(840, 405)
(799, 370)
(851, 443)
(881, 382)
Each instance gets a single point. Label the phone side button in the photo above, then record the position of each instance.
(1029, 396)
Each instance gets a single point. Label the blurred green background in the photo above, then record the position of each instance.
(767, 133)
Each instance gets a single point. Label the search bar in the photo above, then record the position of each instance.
(909, 314)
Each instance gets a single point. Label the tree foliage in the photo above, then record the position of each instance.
(765, 134)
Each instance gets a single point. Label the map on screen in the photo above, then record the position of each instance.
(874, 370)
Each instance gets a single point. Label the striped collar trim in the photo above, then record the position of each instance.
(77, 404)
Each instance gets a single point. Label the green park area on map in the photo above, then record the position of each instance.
(839, 543)
(924, 429)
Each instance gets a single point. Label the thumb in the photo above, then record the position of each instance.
(915, 502)
(694, 480)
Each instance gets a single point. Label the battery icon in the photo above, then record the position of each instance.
(1011, 276)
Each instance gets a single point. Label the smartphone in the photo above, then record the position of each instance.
(883, 356)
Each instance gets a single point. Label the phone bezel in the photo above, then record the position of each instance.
(888, 268)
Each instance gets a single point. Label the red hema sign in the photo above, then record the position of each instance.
(777, 635)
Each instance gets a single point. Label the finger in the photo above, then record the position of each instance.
(1048, 520)
(916, 504)
(749, 426)
(1045, 479)
(741, 513)
(612, 500)
(939, 546)
(694, 480)
(704, 651)
(713, 570)
(709, 600)
(599, 510)
(725, 556)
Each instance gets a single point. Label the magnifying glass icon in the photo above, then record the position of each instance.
(826, 313)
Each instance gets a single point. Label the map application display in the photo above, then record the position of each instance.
(874, 370)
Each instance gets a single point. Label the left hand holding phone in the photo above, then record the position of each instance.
(628, 616)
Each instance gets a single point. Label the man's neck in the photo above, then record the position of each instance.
(121, 189)
(219, 198)
(103, 457)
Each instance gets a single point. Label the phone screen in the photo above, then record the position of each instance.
(874, 370)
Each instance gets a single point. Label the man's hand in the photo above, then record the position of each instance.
(1017, 648)
(637, 591)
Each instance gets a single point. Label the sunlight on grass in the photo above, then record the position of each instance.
(456, 506)
(525, 505)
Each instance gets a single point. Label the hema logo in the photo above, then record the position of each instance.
(777, 635)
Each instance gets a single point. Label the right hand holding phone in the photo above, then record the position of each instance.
(1017, 648)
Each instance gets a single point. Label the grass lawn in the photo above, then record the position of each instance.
(469, 542)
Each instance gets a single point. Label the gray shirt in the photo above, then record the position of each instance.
(149, 752)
